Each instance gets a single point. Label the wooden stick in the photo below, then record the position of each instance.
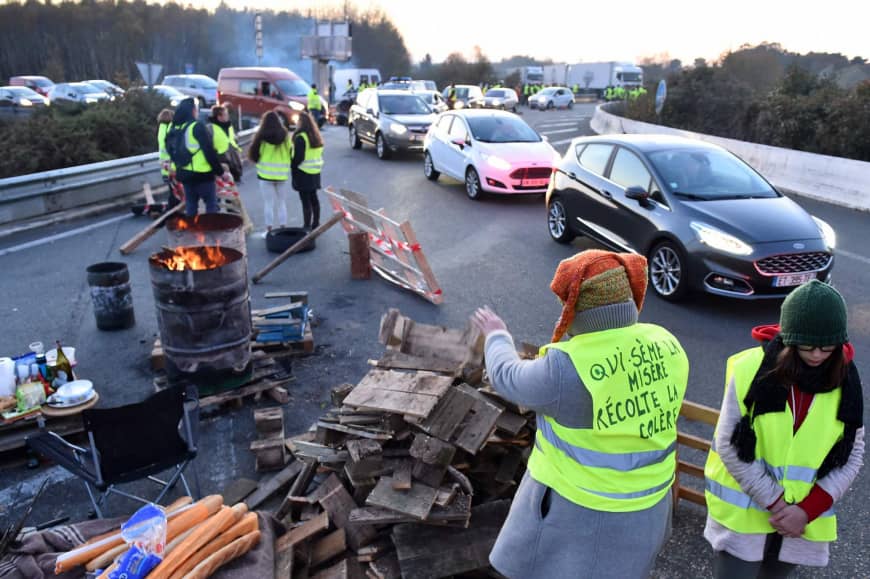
(336, 217)
(137, 240)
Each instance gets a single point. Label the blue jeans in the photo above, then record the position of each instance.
(193, 192)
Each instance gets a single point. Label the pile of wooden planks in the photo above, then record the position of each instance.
(411, 471)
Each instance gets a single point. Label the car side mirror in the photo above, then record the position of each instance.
(637, 193)
(461, 143)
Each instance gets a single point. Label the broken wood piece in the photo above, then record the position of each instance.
(294, 296)
(270, 454)
(456, 513)
(354, 431)
(416, 501)
(328, 547)
(446, 496)
(511, 422)
(345, 569)
(273, 485)
(360, 261)
(402, 475)
(448, 414)
(478, 424)
(387, 567)
(269, 422)
(299, 486)
(338, 393)
(277, 309)
(401, 361)
(302, 532)
(319, 452)
(338, 503)
(414, 394)
(150, 230)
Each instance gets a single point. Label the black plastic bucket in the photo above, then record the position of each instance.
(111, 295)
(281, 239)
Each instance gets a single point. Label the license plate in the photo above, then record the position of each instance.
(535, 182)
(792, 280)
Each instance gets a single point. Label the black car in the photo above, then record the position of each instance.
(391, 120)
(703, 218)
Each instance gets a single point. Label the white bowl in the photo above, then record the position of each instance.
(68, 351)
(74, 392)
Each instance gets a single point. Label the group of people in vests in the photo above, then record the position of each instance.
(596, 499)
(618, 93)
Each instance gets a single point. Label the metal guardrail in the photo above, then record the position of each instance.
(39, 194)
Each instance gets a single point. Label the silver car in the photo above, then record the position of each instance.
(499, 98)
(434, 99)
(76, 92)
(203, 88)
(557, 97)
(391, 120)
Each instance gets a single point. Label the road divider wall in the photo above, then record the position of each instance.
(42, 194)
(836, 180)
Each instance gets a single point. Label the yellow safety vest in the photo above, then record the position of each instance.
(199, 164)
(625, 462)
(274, 163)
(165, 163)
(792, 458)
(222, 140)
(313, 162)
(313, 100)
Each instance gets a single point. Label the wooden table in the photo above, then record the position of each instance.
(63, 421)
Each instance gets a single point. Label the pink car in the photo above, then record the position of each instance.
(490, 151)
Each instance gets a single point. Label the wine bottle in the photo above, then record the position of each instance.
(62, 363)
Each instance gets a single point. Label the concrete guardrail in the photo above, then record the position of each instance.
(41, 194)
(834, 180)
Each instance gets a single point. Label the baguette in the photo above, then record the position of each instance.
(106, 558)
(248, 524)
(177, 504)
(186, 519)
(235, 549)
(176, 541)
(171, 510)
(203, 533)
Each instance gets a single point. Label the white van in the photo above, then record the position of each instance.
(340, 76)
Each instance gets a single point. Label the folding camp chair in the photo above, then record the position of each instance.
(129, 443)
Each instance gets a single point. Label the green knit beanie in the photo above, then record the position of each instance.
(813, 315)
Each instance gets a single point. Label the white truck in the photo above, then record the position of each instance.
(597, 76)
(530, 74)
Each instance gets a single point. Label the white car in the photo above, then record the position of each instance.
(76, 92)
(490, 151)
(552, 97)
(203, 88)
(433, 98)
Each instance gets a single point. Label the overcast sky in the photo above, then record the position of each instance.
(623, 30)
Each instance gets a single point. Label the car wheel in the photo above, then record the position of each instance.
(570, 105)
(355, 143)
(514, 110)
(557, 222)
(667, 271)
(381, 147)
(472, 184)
(429, 168)
(549, 105)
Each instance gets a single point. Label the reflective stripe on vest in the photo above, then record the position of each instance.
(274, 163)
(199, 164)
(313, 163)
(625, 461)
(791, 458)
(162, 129)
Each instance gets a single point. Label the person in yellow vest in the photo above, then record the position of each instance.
(225, 144)
(272, 150)
(198, 176)
(789, 441)
(596, 499)
(306, 167)
(167, 169)
(315, 107)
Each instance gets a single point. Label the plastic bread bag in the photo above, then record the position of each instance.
(145, 532)
(29, 395)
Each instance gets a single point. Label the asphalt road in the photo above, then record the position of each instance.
(496, 251)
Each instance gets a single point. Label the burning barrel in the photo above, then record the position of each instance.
(218, 229)
(204, 315)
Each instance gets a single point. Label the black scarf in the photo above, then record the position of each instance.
(768, 394)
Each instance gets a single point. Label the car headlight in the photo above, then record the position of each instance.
(497, 162)
(720, 240)
(91, 99)
(398, 128)
(25, 102)
(295, 106)
(827, 232)
(459, 104)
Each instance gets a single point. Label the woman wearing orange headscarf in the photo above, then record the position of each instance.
(595, 500)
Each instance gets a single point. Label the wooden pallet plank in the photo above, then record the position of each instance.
(303, 532)
(328, 547)
(273, 484)
(339, 505)
(416, 502)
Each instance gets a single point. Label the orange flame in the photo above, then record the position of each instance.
(190, 223)
(195, 258)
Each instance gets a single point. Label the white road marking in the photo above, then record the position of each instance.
(559, 124)
(563, 141)
(851, 255)
(572, 130)
(70, 233)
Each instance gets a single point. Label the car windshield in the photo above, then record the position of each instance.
(293, 86)
(501, 129)
(42, 82)
(205, 82)
(548, 91)
(403, 105)
(429, 97)
(84, 88)
(708, 175)
(496, 93)
(23, 91)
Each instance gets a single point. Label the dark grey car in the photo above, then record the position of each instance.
(391, 120)
(703, 218)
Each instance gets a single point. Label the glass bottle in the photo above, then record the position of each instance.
(62, 364)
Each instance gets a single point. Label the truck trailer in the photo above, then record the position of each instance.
(597, 76)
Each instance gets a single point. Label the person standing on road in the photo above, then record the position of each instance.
(167, 169)
(315, 107)
(306, 167)
(225, 144)
(272, 151)
(197, 176)
(596, 499)
(789, 441)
